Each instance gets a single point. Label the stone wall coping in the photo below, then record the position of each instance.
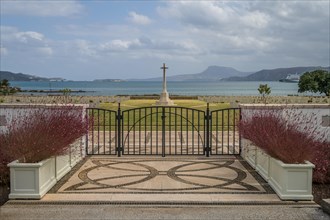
(299, 106)
(17, 105)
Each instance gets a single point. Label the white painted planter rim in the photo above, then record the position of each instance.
(307, 164)
(16, 163)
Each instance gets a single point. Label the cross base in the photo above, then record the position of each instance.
(164, 100)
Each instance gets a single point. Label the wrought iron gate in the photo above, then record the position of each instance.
(163, 131)
(224, 134)
(102, 138)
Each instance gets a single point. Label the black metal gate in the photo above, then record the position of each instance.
(224, 134)
(102, 138)
(163, 131)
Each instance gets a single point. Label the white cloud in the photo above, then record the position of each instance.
(41, 8)
(248, 35)
(138, 18)
(48, 51)
(252, 27)
(255, 20)
(3, 51)
(119, 45)
(99, 30)
(30, 42)
(85, 48)
(7, 33)
(199, 13)
(24, 37)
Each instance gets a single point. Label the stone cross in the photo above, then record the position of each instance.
(164, 67)
(164, 99)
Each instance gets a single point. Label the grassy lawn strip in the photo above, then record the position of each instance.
(196, 104)
(150, 118)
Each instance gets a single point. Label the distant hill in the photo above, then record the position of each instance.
(275, 74)
(24, 77)
(108, 80)
(210, 74)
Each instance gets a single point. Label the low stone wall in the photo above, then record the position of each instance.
(8, 113)
(320, 111)
(235, 100)
(56, 99)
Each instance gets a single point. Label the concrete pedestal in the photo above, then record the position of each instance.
(164, 100)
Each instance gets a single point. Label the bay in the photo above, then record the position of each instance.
(216, 88)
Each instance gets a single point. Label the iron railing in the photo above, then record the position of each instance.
(160, 130)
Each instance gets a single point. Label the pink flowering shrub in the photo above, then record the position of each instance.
(321, 160)
(5, 158)
(289, 136)
(40, 134)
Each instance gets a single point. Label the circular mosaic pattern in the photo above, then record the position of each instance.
(188, 176)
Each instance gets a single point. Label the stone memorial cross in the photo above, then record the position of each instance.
(164, 99)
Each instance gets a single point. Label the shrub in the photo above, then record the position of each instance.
(280, 134)
(6, 89)
(321, 160)
(264, 90)
(289, 136)
(5, 158)
(43, 133)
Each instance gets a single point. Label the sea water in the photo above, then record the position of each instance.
(152, 87)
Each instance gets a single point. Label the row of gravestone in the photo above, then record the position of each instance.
(257, 99)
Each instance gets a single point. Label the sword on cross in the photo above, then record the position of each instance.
(164, 67)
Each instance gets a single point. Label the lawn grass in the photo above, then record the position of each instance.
(143, 114)
(196, 104)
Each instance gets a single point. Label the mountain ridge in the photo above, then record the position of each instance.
(275, 74)
(25, 77)
(211, 73)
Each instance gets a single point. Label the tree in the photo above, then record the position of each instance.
(4, 83)
(264, 90)
(316, 81)
(66, 91)
(6, 89)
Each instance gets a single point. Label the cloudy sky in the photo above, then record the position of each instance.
(85, 40)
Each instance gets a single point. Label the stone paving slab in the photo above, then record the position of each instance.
(164, 198)
(138, 180)
(167, 175)
(237, 192)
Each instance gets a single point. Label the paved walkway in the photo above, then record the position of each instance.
(163, 180)
(221, 187)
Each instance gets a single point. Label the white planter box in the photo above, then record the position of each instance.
(31, 180)
(249, 152)
(34, 180)
(262, 163)
(63, 166)
(291, 181)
